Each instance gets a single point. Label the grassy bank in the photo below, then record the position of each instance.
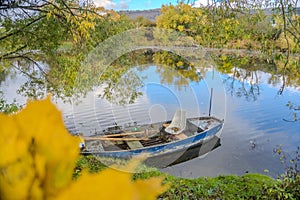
(249, 186)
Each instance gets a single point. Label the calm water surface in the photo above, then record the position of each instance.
(254, 121)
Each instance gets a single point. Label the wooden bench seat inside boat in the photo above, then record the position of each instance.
(134, 144)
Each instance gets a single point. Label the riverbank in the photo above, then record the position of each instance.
(248, 186)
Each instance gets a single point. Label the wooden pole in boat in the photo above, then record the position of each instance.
(129, 133)
(114, 139)
(210, 101)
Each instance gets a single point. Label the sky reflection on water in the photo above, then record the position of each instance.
(248, 121)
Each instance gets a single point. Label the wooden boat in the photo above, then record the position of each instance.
(153, 140)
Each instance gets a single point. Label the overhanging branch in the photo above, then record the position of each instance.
(20, 29)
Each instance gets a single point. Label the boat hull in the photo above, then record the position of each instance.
(184, 154)
(168, 153)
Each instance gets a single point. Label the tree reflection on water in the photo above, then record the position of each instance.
(120, 84)
(245, 75)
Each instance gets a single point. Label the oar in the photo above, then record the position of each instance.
(114, 139)
(128, 133)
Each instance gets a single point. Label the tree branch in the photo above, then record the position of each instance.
(20, 29)
(13, 52)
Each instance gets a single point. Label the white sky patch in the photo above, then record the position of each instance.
(111, 4)
(199, 3)
(108, 4)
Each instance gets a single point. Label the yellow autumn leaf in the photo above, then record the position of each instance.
(38, 157)
(150, 188)
(108, 184)
(12, 143)
(36, 135)
(52, 142)
(114, 184)
(16, 179)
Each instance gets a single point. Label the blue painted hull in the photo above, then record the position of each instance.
(163, 149)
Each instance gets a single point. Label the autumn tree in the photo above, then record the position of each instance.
(181, 17)
(40, 25)
(52, 38)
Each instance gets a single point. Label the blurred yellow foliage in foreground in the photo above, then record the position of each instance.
(38, 156)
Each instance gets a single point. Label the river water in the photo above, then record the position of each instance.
(255, 116)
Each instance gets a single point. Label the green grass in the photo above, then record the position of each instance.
(248, 186)
(89, 163)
